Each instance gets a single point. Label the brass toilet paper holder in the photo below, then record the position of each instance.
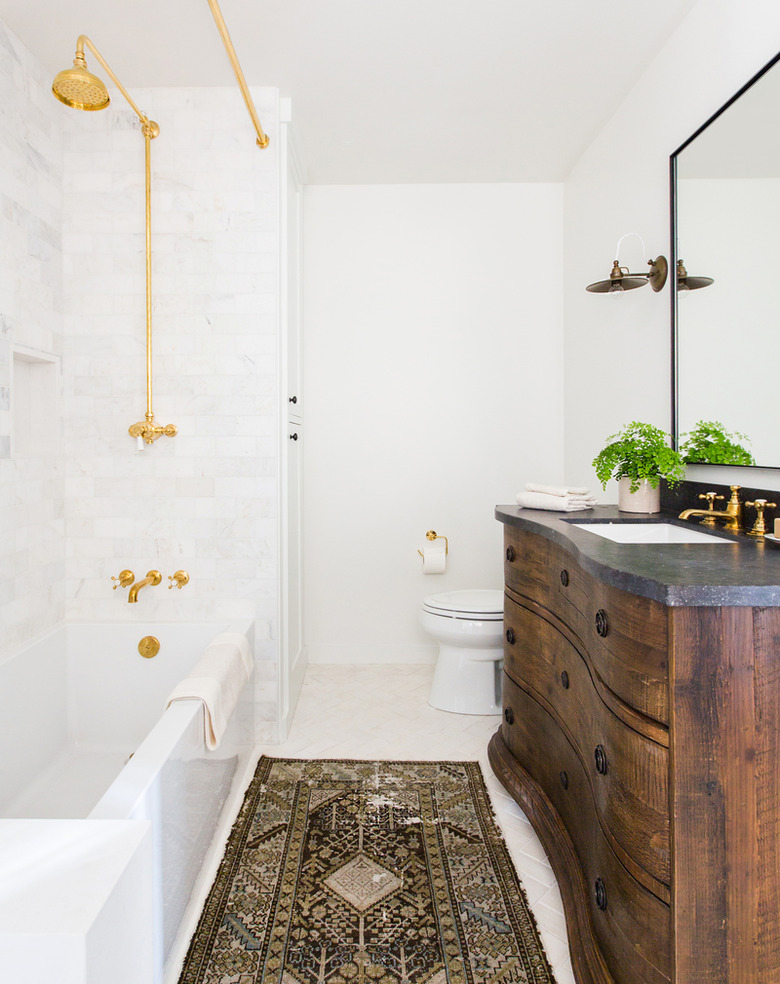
(433, 535)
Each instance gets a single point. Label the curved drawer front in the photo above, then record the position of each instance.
(540, 570)
(631, 924)
(626, 635)
(628, 773)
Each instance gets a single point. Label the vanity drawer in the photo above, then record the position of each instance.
(624, 635)
(631, 923)
(627, 772)
(627, 640)
(538, 569)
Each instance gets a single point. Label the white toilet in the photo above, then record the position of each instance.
(469, 628)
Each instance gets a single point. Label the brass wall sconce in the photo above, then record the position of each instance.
(79, 88)
(262, 138)
(621, 280)
(684, 282)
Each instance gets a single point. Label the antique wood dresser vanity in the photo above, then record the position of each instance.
(641, 736)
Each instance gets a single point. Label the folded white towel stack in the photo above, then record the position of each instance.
(556, 498)
(217, 679)
(575, 490)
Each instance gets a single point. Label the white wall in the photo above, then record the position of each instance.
(433, 389)
(617, 351)
(32, 523)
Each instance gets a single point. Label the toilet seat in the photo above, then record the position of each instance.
(473, 605)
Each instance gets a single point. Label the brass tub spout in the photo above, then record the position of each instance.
(152, 577)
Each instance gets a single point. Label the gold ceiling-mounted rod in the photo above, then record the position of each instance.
(79, 88)
(262, 138)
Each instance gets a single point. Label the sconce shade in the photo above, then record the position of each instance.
(684, 282)
(620, 279)
(79, 88)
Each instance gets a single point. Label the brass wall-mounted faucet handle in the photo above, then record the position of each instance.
(124, 580)
(759, 527)
(711, 498)
(178, 580)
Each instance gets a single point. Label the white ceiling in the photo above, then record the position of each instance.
(388, 91)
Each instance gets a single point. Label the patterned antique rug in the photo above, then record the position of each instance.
(349, 872)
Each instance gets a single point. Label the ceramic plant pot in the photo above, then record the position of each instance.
(645, 500)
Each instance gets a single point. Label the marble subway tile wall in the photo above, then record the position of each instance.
(32, 525)
(206, 500)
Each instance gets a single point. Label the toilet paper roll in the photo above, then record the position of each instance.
(434, 558)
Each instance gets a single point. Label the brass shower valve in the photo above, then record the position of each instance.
(124, 580)
(178, 580)
(149, 431)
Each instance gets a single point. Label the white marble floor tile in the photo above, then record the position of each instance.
(380, 711)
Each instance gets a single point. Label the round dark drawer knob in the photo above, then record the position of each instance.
(510, 636)
(564, 578)
(564, 780)
(293, 399)
(600, 757)
(601, 894)
(602, 624)
(293, 437)
(565, 680)
(509, 715)
(510, 554)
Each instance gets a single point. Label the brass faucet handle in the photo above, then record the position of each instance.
(124, 580)
(711, 498)
(761, 505)
(178, 580)
(759, 527)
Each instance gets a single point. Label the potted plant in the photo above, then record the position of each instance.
(638, 457)
(710, 443)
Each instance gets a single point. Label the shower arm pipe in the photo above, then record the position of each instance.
(262, 138)
(83, 41)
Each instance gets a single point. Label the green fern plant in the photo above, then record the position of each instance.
(640, 452)
(710, 443)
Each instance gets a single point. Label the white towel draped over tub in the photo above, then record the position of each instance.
(217, 679)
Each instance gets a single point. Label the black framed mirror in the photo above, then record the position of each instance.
(725, 258)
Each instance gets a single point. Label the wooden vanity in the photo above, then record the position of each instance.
(641, 736)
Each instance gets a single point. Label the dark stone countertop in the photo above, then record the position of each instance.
(745, 571)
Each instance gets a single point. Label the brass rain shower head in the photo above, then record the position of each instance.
(79, 88)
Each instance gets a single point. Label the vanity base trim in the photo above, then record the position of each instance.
(587, 961)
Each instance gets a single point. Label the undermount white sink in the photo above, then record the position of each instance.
(649, 533)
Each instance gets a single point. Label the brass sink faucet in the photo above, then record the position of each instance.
(732, 513)
(152, 577)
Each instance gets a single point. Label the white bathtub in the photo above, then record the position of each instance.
(86, 737)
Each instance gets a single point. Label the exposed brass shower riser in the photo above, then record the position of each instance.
(78, 88)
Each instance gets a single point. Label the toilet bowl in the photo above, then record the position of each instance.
(469, 628)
